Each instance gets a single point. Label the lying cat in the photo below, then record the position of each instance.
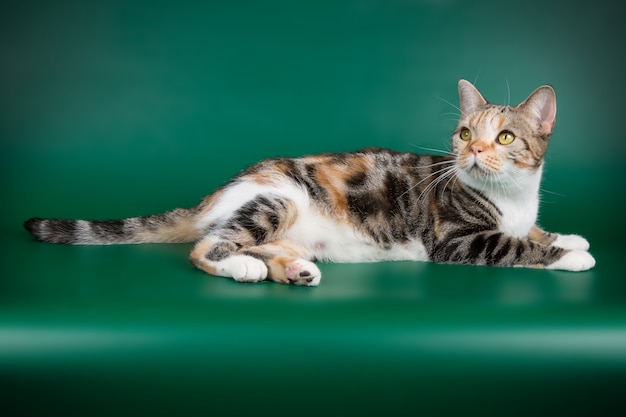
(478, 205)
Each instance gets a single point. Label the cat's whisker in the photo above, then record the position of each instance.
(423, 148)
(506, 183)
(499, 181)
(490, 182)
(453, 105)
(545, 190)
(476, 78)
(514, 181)
(452, 178)
(445, 151)
(444, 169)
(430, 185)
(448, 172)
(508, 92)
(445, 162)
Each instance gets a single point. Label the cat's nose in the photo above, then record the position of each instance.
(476, 149)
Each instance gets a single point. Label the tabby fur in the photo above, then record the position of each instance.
(478, 205)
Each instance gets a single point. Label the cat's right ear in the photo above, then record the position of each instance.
(470, 97)
(541, 105)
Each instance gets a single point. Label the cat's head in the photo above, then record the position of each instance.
(502, 145)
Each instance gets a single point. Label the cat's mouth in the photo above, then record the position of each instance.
(473, 167)
(477, 170)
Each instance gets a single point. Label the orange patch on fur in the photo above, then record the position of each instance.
(333, 179)
(277, 268)
(280, 254)
(263, 177)
(522, 164)
(355, 166)
(500, 122)
(536, 234)
(183, 230)
(208, 203)
(198, 256)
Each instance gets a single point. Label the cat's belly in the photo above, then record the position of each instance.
(334, 241)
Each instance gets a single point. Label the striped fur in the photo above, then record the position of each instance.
(478, 206)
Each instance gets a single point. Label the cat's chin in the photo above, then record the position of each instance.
(478, 171)
(483, 180)
(478, 175)
(472, 178)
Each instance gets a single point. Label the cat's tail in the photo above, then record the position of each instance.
(173, 226)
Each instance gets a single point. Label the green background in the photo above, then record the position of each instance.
(122, 108)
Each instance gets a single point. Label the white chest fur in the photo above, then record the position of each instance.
(517, 200)
(518, 215)
(520, 207)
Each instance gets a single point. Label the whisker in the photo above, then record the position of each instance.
(452, 178)
(437, 164)
(445, 169)
(453, 105)
(476, 79)
(423, 148)
(449, 172)
(508, 92)
(544, 190)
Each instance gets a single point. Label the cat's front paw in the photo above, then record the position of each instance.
(571, 242)
(302, 272)
(575, 260)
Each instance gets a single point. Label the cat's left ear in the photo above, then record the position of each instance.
(541, 105)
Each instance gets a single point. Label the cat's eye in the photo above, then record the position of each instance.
(465, 134)
(505, 137)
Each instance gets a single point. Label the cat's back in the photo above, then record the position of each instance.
(347, 171)
(372, 185)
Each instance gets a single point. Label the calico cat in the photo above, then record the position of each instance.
(478, 205)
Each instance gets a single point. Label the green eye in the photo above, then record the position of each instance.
(465, 134)
(504, 138)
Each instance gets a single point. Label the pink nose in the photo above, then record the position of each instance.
(476, 149)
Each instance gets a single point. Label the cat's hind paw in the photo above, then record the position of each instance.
(302, 272)
(242, 268)
(571, 242)
(575, 260)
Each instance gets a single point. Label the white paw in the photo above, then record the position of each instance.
(571, 242)
(575, 260)
(303, 272)
(242, 268)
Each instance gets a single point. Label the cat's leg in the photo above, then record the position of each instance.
(287, 262)
(575, 256)
(571, 242)
(280, 261)
(498, 249)
(249, 246)
(574, 260)
(219, 257)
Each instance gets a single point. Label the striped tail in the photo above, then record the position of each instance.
(174, 226)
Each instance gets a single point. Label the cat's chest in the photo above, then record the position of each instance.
(518, 215)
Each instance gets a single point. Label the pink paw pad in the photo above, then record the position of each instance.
(302, 272)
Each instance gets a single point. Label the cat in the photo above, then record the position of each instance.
(476, 205)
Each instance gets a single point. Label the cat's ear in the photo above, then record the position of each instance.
(470, 97)
(541, 105)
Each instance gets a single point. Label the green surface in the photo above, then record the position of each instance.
(123, 108)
